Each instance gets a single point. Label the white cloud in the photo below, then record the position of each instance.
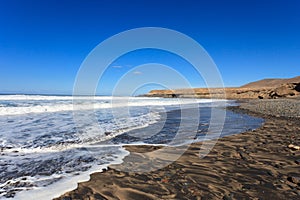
(137, 72)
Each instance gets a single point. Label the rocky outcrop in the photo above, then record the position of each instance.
(284, 90)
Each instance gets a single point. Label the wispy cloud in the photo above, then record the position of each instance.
(137, 72)
(117, 66)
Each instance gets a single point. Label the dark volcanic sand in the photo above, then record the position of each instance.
(251, 165)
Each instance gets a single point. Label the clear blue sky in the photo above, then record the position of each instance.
(43, 43)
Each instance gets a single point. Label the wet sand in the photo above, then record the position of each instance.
(252, 165)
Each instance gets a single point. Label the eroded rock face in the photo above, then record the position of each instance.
(297, 88)
(287, 90)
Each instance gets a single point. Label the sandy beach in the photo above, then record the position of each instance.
(150, 100)
(257, 164)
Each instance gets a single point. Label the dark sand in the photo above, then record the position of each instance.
(252, 165)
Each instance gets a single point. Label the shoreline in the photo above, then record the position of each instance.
(253, 164)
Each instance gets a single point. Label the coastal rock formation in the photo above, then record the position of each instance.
(263, 89)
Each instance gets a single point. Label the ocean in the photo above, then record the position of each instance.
(50, 143)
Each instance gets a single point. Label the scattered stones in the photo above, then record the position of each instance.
(157, 179)
(270, 173)
(291, 184)
(246, 187)
(244, 156)
(227, 197)
(275, 107)
(293, 147)
(294, 179)
(10, 194)
(165, 180)
(107, 133)
(67, 198)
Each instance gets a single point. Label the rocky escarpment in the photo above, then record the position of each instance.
(285, 90)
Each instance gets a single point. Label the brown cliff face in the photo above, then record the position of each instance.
(263, 89)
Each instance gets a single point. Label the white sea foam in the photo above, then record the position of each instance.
(49, 104)
(67, 182)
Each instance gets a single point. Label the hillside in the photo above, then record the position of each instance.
(262, 89)
(271, 82)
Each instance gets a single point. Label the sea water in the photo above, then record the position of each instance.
(50, 143)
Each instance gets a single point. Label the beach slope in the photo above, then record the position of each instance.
(259, 164)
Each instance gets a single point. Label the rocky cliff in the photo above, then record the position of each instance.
(263, 89)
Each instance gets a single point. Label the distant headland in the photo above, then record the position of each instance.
(262, 89)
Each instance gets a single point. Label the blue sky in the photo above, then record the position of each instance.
(43, 43)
